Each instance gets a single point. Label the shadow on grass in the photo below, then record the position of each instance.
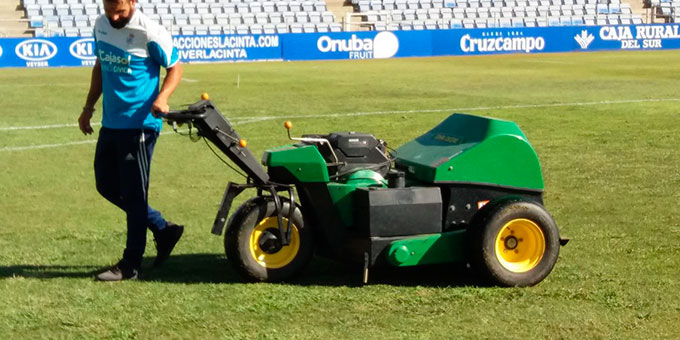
(214, 268)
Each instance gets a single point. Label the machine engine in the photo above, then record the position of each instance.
(353, 151)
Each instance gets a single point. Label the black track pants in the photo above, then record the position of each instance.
(121, 166)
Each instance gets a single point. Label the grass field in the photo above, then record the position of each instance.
(604, 126)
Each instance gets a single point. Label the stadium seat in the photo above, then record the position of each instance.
(320, 6)
(255, 7)
(181, 20)
(295, 6)
(256, 29)
(208, 19)
(242, 8)
(222, 19)
(242, 29)
(201, 30)
(626, 9)
(216, 9)
(275, 18)
(235, 19)
(85, 32)
(602, 9)
(248, 18)
(296, 28)
(262, 18)
(66, 21)
(301, 17)
(195, 19)
(282, 28)
(187, 30)
(71, 32)
(269, 29)
(269, 7)
(315, 17)
(327, 17)
(203, 8)
(281, 7)
(405, 26)
(229, 8)
(32, 11)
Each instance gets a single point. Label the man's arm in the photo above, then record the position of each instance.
(92, 98)
(172, 79)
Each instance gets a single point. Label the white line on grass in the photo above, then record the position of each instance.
(37, 127)
(49, 146)
(55, 126)
(246, 120)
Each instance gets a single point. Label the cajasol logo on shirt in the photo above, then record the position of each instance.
(384, 45)
(112, 62)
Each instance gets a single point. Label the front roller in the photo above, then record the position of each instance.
(516, 243)
(253, 241)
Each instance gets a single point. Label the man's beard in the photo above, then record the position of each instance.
(120, 23)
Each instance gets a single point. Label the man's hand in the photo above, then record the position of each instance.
(84, 121)
(160, 107)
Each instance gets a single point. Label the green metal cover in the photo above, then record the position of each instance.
(303, 161)
(342, 194)
(428, 249)
(472, 149)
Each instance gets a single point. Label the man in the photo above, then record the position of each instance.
(130, 50)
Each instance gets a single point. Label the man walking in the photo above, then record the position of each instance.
(130, 50)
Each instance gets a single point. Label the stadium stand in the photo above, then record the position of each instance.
(424, 14)
(666, 10)
(76, 17)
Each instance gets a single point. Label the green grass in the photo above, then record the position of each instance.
(612, 174)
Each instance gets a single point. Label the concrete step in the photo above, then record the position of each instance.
(11, 11)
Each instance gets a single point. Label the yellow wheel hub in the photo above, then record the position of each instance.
(520, 245)
(282, 256)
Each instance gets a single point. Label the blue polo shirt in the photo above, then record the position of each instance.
(130, 60)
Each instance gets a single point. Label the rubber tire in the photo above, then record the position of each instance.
(484, 237)
(237, 241)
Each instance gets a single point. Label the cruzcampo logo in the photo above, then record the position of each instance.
(584, 39)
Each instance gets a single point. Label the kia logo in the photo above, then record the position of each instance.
(36, 50)
(83, 49)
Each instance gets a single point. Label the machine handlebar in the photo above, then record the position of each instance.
(182, 116)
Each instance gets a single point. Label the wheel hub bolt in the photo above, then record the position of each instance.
(511, 242)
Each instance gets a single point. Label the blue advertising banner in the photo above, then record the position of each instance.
(636, 37)
(503, 40)
(211, 48)
(357, 45)
(46, 52)
(62, 51)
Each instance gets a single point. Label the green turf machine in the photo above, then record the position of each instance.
(470, 190)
